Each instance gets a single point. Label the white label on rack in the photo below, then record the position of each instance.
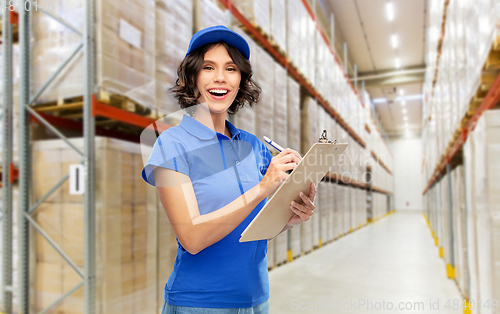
(76, 179)
(130, 34)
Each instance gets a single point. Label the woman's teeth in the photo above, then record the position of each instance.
(218, 92)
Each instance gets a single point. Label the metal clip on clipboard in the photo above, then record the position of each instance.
(324, 139)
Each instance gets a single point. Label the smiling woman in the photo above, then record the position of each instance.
(198, 66)
(213, 179)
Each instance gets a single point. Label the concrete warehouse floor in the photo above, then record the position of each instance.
(393, 260)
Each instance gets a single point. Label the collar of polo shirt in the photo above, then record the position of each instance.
(198, 129)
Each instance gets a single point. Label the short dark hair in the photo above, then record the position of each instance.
(186, 91)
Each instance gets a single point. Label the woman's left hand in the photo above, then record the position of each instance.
(304, 210)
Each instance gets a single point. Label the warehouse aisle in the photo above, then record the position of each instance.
(393, 260)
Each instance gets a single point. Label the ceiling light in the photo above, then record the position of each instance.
(401, 92)
(403, 103)
(404, 110)
(390, 11)
(394, 41)
(405, 118)
(397, 62)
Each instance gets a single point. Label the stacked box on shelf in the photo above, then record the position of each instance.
(301, 31)
(346, 196)
(209, 13)
(331, 134)
(353, 223)
(486, 195)
(337, 213)
(280, 135)
(320, 211)
(278, 28)
(293, 114)
(264, 76)
(294, 142)
(257, 12)
(310, 33)
(127, 251)
(264, 111)
(294, 13)
(174, 24)
(459, 228)
(362, 200)
(318, 219)
(270, 254)
(340, 197)
(445, 218)
(439, 212)
(469, 31)
(245, 119)
(470, 161)
(325, 211)
(333, 218)
(323, 65)
(130, 60)
(308, 125)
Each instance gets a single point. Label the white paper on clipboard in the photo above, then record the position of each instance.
(274, 216)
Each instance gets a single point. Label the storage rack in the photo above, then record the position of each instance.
(453, 154)
(91, 109)
(264, 42)
(489, 102)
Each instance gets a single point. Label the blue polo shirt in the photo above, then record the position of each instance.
(227, 274)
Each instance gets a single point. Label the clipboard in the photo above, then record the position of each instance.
(274, 216)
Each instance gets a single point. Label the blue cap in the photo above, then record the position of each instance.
(219, 33)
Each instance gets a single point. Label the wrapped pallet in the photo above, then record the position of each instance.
(270, 254)
(354, 208)
(308, 126)
(460, 231)
(324, 211)
(317, 220)
(245, 119)
(308, 122)
(264, 76)
(278, 23)
(293, 114)
(174, 24)
(332, 220)
(296, 17)
(209, 13)
(347, 212)
(257, 12)
(280, 114)
(135, 55)
(280, 135)
(331, 127)
(445, 215)
(470, 160)
(486, 194)
(135, 248)
(362, 207)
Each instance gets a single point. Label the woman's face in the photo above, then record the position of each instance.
(218, 80)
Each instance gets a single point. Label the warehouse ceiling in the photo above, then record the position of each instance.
(389, 54)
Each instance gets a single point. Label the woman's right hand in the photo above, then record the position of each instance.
(276, 172)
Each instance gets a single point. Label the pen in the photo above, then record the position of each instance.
(273, 144)
(277, 147)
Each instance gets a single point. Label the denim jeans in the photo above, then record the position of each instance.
(262, 308)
